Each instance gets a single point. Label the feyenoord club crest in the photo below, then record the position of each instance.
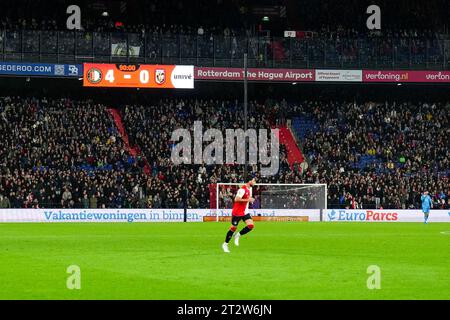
(160, 76)
(94, 75)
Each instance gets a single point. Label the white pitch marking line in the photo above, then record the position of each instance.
(445, 232)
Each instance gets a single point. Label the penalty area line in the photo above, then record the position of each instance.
(445, 232)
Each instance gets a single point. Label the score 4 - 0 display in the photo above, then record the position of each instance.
(138, 76)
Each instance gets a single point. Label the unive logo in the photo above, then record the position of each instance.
(332, 215)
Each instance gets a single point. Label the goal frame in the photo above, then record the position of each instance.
(218, 184)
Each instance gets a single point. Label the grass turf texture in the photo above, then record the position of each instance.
(185, 261)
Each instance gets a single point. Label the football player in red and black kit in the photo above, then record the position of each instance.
(240, 212)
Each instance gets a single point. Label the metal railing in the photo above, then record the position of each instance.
(221, 51)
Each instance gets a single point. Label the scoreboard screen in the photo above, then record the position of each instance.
(138, 76)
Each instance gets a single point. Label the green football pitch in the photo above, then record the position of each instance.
(292, 260)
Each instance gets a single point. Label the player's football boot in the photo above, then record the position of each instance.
(225, 247)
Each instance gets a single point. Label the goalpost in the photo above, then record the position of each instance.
(276, 196)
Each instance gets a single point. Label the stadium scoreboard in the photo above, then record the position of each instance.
(138, 76)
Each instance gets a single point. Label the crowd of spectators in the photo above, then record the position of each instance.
(227, 46)
(163, 31)
(151, 127)
(66, 153)
(107, 26)
(155, 16)
(379, 154)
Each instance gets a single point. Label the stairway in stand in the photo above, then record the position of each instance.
(134, 151)
(294, 154)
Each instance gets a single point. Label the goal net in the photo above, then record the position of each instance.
(279, 199)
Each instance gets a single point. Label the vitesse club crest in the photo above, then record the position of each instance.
(160, 76)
